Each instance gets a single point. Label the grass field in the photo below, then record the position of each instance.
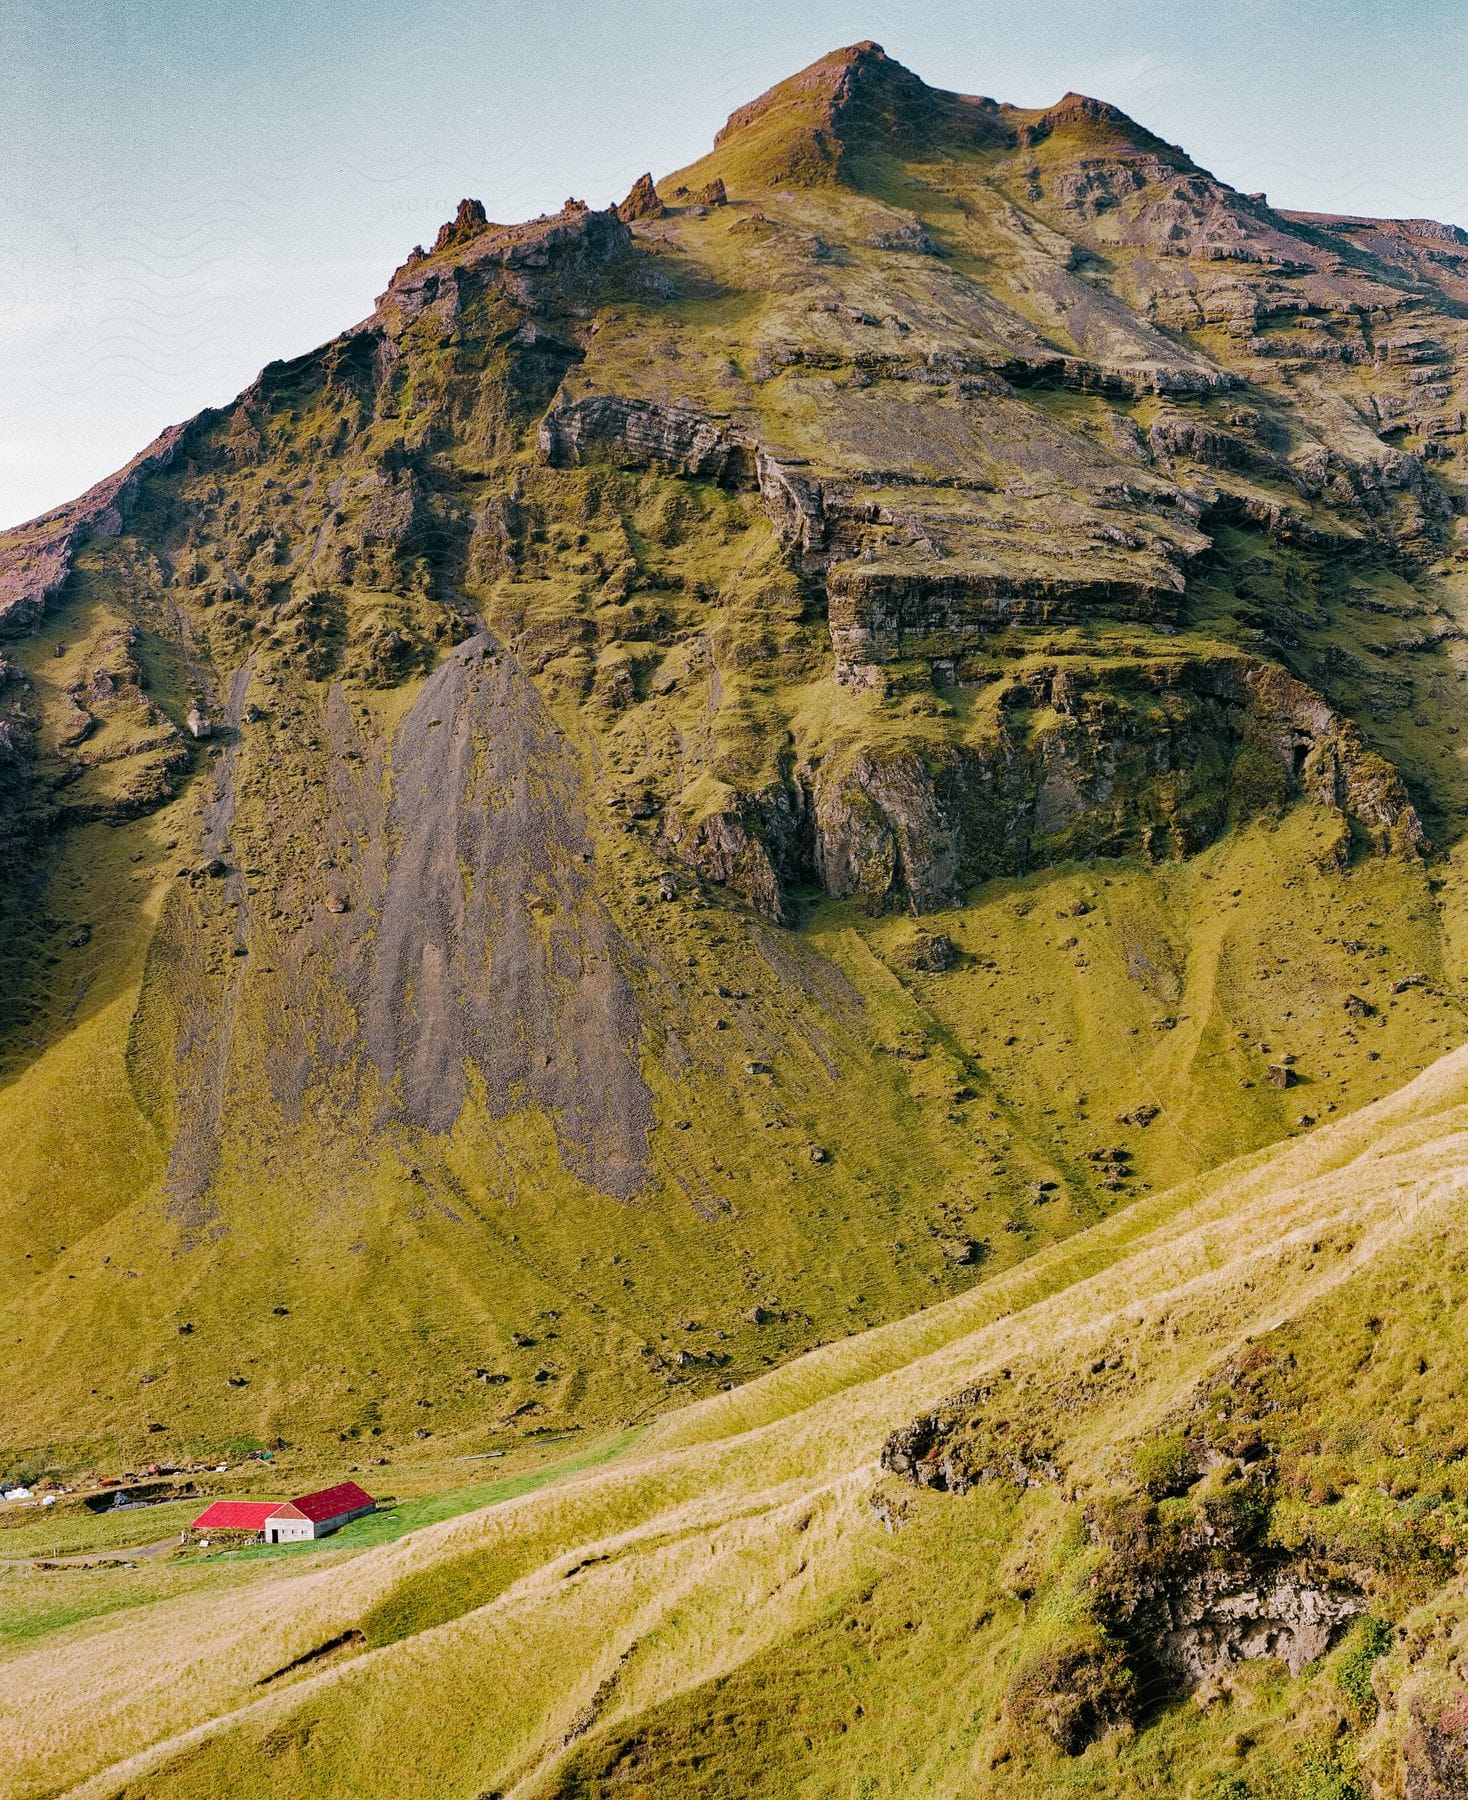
(37, 1600)
(735, 1546)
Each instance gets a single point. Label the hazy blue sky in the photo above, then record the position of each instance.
(189, 188)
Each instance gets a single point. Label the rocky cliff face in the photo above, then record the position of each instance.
(1149, 759)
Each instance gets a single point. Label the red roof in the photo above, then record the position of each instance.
(235, 1515)
(330, 1503)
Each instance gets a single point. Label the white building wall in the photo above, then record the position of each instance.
(296, 1531)
(341, 1519)
(288, 1531)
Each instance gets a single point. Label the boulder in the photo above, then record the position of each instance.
(932, 952)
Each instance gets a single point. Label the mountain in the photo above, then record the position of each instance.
(832, 740)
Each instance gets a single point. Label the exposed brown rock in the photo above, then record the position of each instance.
(35, 559)
(467, 223)
(643, 202)
(1435, 1751)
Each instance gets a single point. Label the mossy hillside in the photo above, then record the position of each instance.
(600, 1294)
(173, 1381)
(279, 812)
(449, 1104)
(889, 1635)
(658, 563)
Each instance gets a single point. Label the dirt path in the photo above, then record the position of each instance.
(90, 1558)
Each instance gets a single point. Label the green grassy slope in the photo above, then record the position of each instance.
(474, 1094)
(938, 1102)
(743, 1614)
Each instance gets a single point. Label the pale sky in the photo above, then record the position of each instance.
(193, 188)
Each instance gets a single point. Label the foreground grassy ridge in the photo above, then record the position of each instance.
(740, 1532)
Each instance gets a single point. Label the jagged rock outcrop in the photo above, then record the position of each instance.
(466, 225)
(642, 202)
(753, 844)
(1153, 759)
(1213, 1622)
(1435, 1750)
(1178, 1599)
(557, 256)
(35, 559)
(1175, 435)
(1327, 755)
(640, 434)
(879, 615)
(933, 1452)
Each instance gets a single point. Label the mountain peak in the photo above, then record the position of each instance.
(466, 223)
(854, 101)
(1086, 116)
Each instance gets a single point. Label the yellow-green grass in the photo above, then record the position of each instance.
(935, 1125)
(40, 1597)
(397, 1518)
(937, 1100)
(71, 1529)
(743, 1524)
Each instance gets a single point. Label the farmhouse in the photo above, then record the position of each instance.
(314, 1515)
(274, 1522)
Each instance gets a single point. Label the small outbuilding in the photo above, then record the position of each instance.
(234, 1520)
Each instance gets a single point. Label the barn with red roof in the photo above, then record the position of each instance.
(273, 1522)
(314, 1515)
